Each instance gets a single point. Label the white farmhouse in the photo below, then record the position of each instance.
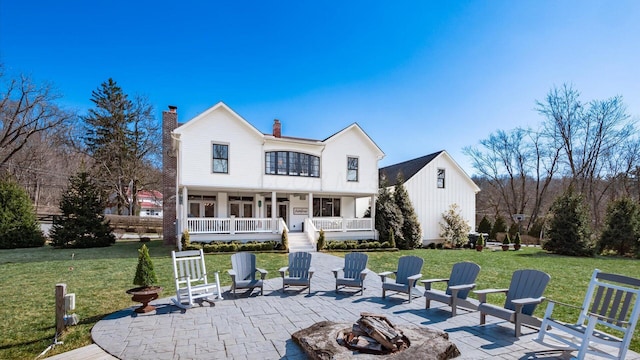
(232, 182)
(434, 182)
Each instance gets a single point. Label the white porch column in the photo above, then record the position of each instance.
(274, 201)
(373, 212)
(310, 205)
(182, 217)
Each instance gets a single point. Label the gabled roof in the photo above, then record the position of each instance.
(215, 107)
(407, 168)
(411, 167)
(362, 132)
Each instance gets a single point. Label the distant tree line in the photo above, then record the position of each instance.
(587, 153)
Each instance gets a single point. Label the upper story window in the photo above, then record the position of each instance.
(291, 163)
(440, 178)
(221, 158)
(352, 169)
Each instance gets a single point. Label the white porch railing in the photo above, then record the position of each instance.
(266, 225)
(340, 224)
(232, 225)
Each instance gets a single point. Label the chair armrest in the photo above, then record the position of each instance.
(427, 283)
(311, 271)
(263, 273)
(462, 287)
(527, 301)
(232, 273)
(335, 272)
(283, 270)
(414, 278)
(363, 273)
(482, 294)
(564, 304)
(383, 275)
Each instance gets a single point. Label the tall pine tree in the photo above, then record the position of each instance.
(388, 217)
(82, 224)
(411, 231)
(121, 136)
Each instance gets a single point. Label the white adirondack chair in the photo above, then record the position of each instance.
(192, 284)
(612, 303)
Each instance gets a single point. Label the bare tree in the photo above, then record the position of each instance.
(591, 134)
(519, 165)
(27, 110)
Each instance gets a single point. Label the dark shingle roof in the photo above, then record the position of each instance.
(407, 168)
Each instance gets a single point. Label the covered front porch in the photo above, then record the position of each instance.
(210, 215)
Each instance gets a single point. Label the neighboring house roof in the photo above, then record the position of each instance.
(149, 194)
(407, 168)
(410, 167)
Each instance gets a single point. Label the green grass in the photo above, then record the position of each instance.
(100, 276)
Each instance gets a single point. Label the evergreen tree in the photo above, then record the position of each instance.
(499, 226)
(121, 136)
(622, 227)
(569, 227)
(145, 273)
(410, 225)
(82, 223)
(19, 227)
(388, 217)
(484, 227)
(455, 229)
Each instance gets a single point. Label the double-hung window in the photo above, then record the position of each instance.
(220, 158)
(352, 169)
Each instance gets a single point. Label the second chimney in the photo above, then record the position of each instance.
(277, 128)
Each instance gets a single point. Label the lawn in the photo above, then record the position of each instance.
(99, 277)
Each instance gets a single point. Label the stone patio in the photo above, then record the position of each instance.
(260, 327)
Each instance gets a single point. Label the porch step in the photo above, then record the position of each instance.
(300, 242)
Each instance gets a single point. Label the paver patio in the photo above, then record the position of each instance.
(260, 327)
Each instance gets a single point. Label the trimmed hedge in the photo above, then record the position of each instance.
(356, 245)
(234, 246)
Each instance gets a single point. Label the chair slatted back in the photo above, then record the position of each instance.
(526, 284)
(188, 263)
(407, 266)
(299, 264)
(244, 264)
(463, 273)
(615, 297)
(354, 264)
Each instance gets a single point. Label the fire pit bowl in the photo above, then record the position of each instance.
(328, 340)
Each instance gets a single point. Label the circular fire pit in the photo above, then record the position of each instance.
(320, 341)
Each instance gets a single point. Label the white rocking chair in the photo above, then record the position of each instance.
(190, 276)
(612, 303)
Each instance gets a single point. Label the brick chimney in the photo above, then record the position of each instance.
(277, 128)
(169, 173)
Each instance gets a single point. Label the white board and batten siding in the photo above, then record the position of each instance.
(430, 202)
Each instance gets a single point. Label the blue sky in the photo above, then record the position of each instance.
(417, 76)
